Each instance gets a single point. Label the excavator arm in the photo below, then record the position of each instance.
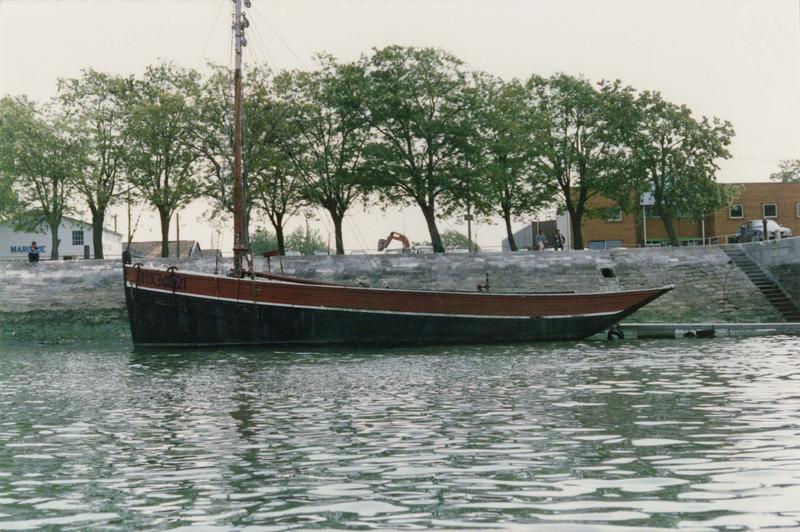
(394, 235)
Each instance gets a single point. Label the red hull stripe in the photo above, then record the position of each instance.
(476, 304)
(267, 303)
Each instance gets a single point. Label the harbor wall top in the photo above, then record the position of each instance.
(707, 286)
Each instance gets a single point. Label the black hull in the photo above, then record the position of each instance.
(161, 318)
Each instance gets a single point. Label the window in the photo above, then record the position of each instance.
(651, 212)
(77, 238)
(736, 211)
(797, 209)
(605, 244)
(769, 210)
(614, 214)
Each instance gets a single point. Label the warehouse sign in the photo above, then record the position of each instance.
(27, 249)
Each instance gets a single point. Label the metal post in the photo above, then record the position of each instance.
(644, 225)
(703, 229)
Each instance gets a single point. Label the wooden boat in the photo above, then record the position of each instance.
(171, 307)
(177, 308)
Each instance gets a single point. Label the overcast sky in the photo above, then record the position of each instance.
(735, 59)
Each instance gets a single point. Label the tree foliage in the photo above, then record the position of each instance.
(402, 126)
(96, 109)
(326, 132)
(274, 183)
(304, 241)
(674, 156)
(263, 240)
(580, 139)
(416, 103)
(37, 152)
(161, 153)
(788, 171)
(507, 181)
(453, 240)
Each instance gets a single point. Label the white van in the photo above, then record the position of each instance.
(754, 230)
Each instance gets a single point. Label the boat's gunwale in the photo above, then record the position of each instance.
(663, 288)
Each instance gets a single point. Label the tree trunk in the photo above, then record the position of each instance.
(575, 222)
(338, 218)
(430, 218)
(512, 244)
(278, 226)
(98, 219)
(281, 240)
(54, 241)
(670, 227)
(165, 219)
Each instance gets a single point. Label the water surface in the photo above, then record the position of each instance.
(698, 434)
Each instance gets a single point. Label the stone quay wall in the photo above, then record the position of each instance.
(781, 259)
(708, 288)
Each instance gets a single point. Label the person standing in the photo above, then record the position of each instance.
(33, 253)
(558, 240)
(540, 241)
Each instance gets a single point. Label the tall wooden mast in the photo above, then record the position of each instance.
(240, 236)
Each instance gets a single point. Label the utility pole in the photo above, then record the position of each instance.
(178, 234)
(468, 217)
(130, 236)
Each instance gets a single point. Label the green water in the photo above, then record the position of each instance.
(690, 433)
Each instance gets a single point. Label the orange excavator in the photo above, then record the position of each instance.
(394, 235)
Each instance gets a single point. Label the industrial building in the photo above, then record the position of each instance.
(774, 201)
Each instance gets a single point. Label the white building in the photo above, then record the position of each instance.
(76, 242)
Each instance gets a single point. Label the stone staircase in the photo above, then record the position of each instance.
(774, 294)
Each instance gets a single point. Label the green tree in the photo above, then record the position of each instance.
(508, 182)
(9, 201)
(326, 135)
(263, 240)
(453, 239)
(415, 101)
(674, 155)
(306, 241)
(580, 139)
(95, 103)
(42, 159)
(214, 139)
(788, 171)
(162, 126)
(274, 183)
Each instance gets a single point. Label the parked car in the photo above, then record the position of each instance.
(753, 231)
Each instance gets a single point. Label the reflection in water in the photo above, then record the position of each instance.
(655, 434)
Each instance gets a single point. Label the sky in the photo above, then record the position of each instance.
(738, 60)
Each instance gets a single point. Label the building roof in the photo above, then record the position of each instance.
(44, 229)
(152, 249)
(88, 224)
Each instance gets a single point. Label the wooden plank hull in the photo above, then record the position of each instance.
(180, 308)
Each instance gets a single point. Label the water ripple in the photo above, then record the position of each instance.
(688, 434)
